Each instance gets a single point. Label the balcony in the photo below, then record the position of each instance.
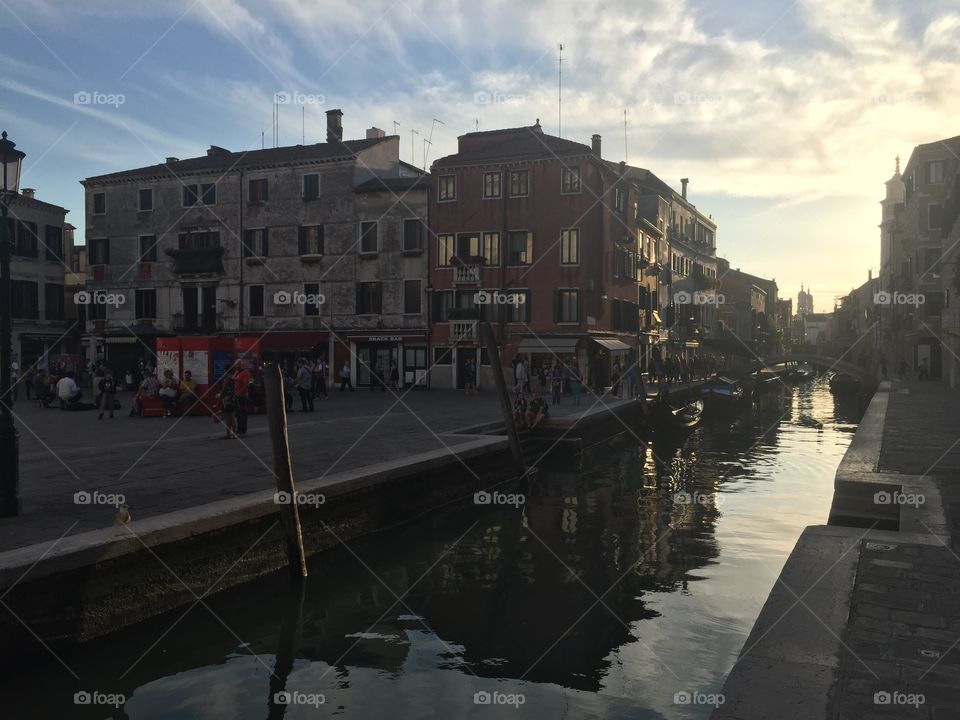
(466, 274)
(195, 324)
(463, 330)
(202, 261)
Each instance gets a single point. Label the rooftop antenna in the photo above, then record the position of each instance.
(625, 156)
(303, 124)
(430, 140)
(261, 139)
(413, 160)
(560, 92)
(396, 128)
(425, 143)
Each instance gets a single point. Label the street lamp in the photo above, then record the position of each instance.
(11, 158)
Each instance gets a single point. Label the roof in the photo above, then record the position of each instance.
(14, 198)
(511, 143)
(394, 184)
(945, 146)
(224, 159)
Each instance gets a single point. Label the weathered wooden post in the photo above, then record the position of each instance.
(282, 472)
(506, 407)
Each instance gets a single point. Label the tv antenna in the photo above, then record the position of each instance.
(413, 158)
(560, 92)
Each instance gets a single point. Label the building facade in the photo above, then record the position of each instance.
(313, 250)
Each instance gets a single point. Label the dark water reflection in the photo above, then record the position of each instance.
(613, 589)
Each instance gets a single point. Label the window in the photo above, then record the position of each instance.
(934, 221)
(146, 304)
(54, 243)
(490, 248)
(567, 306)
(442, 356)
(96, 311)
(519, 183)
(311, 187)
(468, 245)
(53, 301)
(570, 180)
(258, 190)
(199, 240)
(368, 237)
(148, 248)
(935, 172)
(369, 298)
(312, 293)
(445, 250)
(931, 261)
(413, 234)
(570, 246)
(256, 301)
(99, 203)
(311, 239)
(412, 297)
(23, 299)
(99, 251)
(491, 184)
(199, 194)
(519, 247)
(255, 242)
(447, 188)
(519, 312)
(144, 199)
(27, 240)
(442, 302)
(618, 200)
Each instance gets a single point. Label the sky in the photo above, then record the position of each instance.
(786, 115)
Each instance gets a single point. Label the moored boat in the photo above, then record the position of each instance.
(843, 384)
(679, 418)
(720, 390)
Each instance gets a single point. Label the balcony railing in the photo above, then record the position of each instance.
(463, 330)
(466, 274)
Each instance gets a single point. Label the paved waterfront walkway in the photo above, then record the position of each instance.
(902, 640)
(163, 465)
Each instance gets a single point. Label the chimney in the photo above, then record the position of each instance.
(595, 144)
(334, 125)
(869, 270)
(171, 160)
(28, 192)
(216, 150)
(375, 133)
(683, 182)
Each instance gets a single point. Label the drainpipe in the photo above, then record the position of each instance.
(241, 304)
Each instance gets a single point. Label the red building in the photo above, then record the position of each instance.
(542, 237)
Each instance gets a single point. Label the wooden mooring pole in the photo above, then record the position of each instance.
(493, 352)
(282, 471)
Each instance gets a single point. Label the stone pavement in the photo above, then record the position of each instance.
(902, 640)
(163, 465)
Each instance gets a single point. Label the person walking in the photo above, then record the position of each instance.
(345, 377)
(615, 379)
(241, 388)
(305, 384)
(522, 374)
(556, 377)
(108, 391)
(228, 407)
(394, 376)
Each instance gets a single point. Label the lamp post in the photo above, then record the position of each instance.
(11, 159)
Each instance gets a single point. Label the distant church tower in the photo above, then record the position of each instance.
(804, 303)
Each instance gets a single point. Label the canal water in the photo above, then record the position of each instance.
(623, 590)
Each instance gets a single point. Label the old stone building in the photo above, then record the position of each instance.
(314, 250)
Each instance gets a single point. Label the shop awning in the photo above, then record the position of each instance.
(612, 345)
(548, 345)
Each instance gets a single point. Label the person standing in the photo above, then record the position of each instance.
(305, 382)
(376, 379)
(14, 378)
(556, 377)
(228, 407)
(108, 392)
(322, 387)
(394, 376)
(468, 377)
(241, 389)
(345, 377)
(521, 374)
(615, 379)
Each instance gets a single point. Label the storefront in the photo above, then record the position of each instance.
(286, 348)
(405, 350)
(605, 353)
(545, 351)
(35, 349)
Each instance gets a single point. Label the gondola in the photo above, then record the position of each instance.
(799, 374)
(684, 417)
(843, 384)
(720, 391)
